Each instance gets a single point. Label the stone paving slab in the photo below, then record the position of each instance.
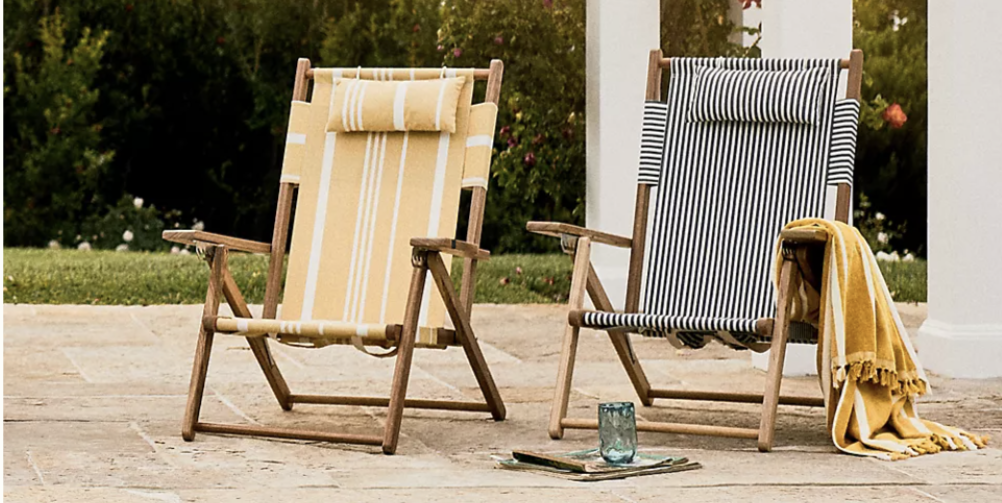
(93, 398)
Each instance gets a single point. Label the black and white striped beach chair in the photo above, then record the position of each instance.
(739, 148)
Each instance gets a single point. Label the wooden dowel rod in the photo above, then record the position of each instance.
(714, 396)
(666, 62)
(383, 402)
(263, 431)
(478, 74)
(684, 429)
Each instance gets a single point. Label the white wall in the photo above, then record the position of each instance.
(963, 335)
(620, 37)
(804, 29)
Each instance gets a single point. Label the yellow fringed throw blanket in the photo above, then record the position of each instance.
(873, 365)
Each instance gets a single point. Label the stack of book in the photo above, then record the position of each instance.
(589, 465)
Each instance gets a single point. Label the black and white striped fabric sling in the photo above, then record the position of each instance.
(740, 148)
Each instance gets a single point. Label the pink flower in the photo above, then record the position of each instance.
(498, 40)
(538, 139)
(440, 48)
(417, 28)
(457, 52)
(504, 281)
(894, 116)
(548, 3)
(505, 130)
(518, 270)
(530, 159)
(512, 142)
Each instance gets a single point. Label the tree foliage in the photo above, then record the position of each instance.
(53, 154)
(891, 163)
(184, 103)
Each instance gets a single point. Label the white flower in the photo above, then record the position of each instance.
(908, 258)
(85, 246)
(198, 226)
(127, 236)
(883, 257)
(879, 216)
(122, 247)
(54, 245)
(174, 250)
(184, 252)
(894, 257)
(137, 202)
(882, 237)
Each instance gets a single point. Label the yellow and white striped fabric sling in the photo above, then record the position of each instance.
(362, 196)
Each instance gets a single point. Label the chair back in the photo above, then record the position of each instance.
(362, 196)
(735, 153)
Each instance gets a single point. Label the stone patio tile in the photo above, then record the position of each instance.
(579, 494)
(983, 466)
(37, 367)
(778, 494)
(85, 453)
(167, 408)
(55, 494)
(963, 493)
(18, 469)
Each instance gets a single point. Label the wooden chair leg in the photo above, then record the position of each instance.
(405, 353)
(777, 356)
(461, 320)
(258, 345)
(562, 393)
(620, 341)
(216, 256)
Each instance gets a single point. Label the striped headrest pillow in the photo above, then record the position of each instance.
(405, 105)
(757, 95)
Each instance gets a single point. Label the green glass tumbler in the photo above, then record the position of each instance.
(617, 432)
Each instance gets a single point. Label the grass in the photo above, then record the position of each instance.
(40, 276)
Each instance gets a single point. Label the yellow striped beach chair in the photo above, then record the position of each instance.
(376, 160)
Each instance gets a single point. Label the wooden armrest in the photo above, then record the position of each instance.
(804, 236)
(191, 237)
(452, 247)
(557, 229)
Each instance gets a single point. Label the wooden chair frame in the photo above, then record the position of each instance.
(426, 257)
(799, 248)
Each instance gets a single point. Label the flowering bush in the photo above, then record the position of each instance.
(880, 233)
(891, 149)
(130, 225)
(538, 171)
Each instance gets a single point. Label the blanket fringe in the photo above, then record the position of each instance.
(907, 383)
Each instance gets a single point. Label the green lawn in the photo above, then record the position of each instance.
(39, 276)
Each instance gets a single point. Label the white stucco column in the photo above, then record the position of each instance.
(963, 335)
(620, 35)
(804, 29)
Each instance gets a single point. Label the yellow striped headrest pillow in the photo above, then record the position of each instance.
(405, 105)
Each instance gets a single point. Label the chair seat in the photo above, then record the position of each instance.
(320, 333)
(693, 332)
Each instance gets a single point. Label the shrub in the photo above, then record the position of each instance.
(538, 172)
(53, 156)
(891, 161)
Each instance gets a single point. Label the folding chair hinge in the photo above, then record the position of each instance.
(419, 258)
(204, 251)
(568, 243)
(789, 252)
